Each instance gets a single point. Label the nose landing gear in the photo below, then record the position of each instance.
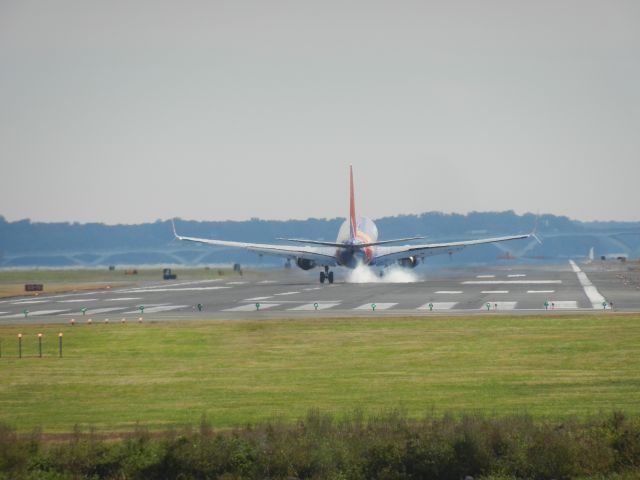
(326, 275)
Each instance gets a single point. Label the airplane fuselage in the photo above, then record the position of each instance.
(354, 253)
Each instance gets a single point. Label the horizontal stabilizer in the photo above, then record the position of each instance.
(342, 245)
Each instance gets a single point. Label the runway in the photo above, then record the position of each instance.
(513, 289)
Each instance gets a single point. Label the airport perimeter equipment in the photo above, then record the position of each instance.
(167, 275)
(33, 287)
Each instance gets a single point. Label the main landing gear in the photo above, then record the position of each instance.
(326, 275)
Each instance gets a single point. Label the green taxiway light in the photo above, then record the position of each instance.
(315, 305)
(257, 306)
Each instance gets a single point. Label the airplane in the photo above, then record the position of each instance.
(356, 244)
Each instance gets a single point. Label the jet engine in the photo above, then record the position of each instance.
(305, 264)
(409, 262)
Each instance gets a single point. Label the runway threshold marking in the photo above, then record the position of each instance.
(251, 307)
(511, 282)
(589, 288)
(379, 306)
(438, 306)
(501, 305)
(449, 292)
(312, 306)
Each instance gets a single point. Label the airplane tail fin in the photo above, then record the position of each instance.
(352, 206)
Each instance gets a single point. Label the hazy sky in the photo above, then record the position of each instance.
(125, 112)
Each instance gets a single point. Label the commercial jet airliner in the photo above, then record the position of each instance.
(357, 244)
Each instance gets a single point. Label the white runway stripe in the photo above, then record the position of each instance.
(449, 292)
(511, 282)
(495, 291)
(286, 293)
(485, 276)
(160, 308)
(541, 291)
(255, 299)
(267, 281)
(36, 313)
(122, 299)
(379, 306)
(439, 306)
(237, 283)
(560, 304)
(180, 289)
(97, 311)
(28, 302)
(311, 306)
(78, 300)
(589, 288)
(501, 305)
(514, 275)
(251, 307)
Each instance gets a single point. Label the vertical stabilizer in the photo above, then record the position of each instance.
(352, 206)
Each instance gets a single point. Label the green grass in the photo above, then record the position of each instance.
(236, 372)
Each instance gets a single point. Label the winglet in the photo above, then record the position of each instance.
(173, 224)
(534, 232)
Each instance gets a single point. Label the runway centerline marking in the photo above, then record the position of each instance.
(236, 283)
(515, 275)
(485, 276)
(449, 292)
(286, 293)
(541, 291)
(250, 307)
(28, 302)
(511, 282)
(589, 288)
(254, 299)
(122, 299)
(379, 306)
(495, 291)
(438, 306)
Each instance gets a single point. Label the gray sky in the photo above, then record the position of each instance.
(230, 110)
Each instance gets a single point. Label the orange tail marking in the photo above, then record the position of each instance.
(352, 209)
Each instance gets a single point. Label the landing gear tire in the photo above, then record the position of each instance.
(322, 277)
(330, 277)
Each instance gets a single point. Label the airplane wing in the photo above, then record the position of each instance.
(320, 255)
(387, 255)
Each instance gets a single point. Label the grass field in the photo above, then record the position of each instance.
(235, 372)
(64, 280)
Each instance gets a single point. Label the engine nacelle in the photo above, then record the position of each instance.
(409, 262)
(305, 264)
